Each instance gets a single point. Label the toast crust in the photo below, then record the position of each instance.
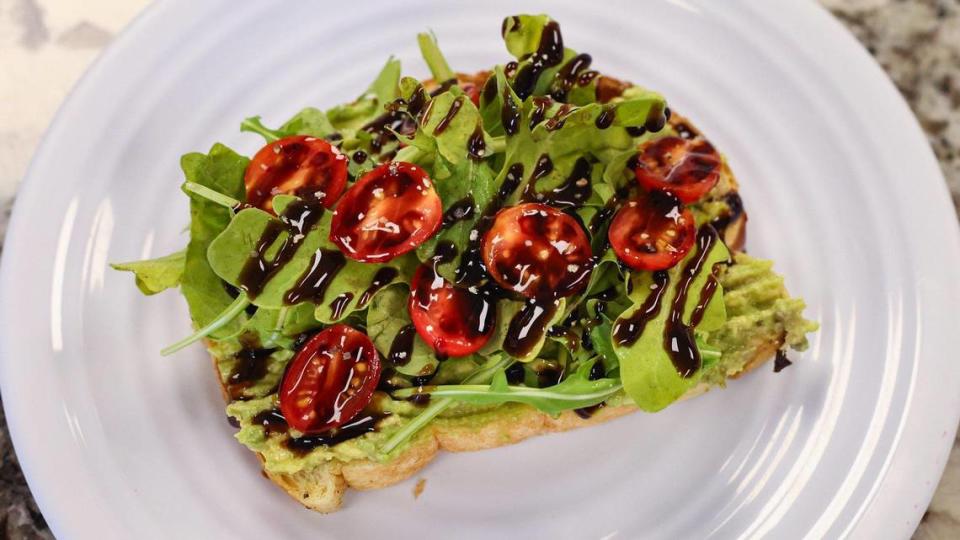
(322, 488)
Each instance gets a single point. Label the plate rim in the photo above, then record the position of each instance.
(53, 504)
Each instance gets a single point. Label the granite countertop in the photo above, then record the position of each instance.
(46, 44)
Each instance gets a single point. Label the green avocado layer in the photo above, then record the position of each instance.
(760, 312)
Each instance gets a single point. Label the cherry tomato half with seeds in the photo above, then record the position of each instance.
(687, 168)
(453, 321)
(330, 380)
(391, 210)
(652, 232)
(300, 165)
(537, 251)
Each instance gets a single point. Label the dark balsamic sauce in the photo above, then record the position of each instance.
(528, 326)
(510, 68)
(459, 211)
(251, 367)
(549, 54)
(339, 304)
(272, 421)
(418, 99)
(597, 371)
(627, 331)
(569, 75)
(636, 131)
(515, 373)
(233, 421)
(678, 339)
(451, 114)
(735, 203)
(476, 145)
(587, 77)
(606, 117)
(381, 279)
(559, 119)
(656, 119)
(296, 220)
(548, 375)
(312, 285)
(780, 362)
(510, 113)
(401, 349)
(539, 112)
(572, 193)
(363, 424)
(489, 90)
(359, 156)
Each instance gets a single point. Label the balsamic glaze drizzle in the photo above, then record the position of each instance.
(381, 279)
(401, 349)
(549, 54)
(312, 285)
(296, 220)
(572, 193)
(361, 425)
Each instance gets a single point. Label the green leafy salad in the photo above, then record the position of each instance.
(537, 235)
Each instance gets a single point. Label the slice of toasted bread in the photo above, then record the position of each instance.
(322, 488)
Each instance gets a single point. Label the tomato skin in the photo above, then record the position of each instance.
(453, 321)
(686, 168)
(298, 165)
(537, 251)
(652, 232)
(330, 380)
(388, 212)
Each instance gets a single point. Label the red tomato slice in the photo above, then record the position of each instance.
(537, 251)
(330, 380)
(388, 212)
(299, 165)
(653, 232)
(453, 321)
(687, 168)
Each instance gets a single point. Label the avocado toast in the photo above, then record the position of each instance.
(465, 262)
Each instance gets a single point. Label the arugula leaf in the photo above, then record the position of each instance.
(309, 121)
(649, 376)
(434, 58)
(349, 118)
(574, 392)
(521, 33)
(156, 275)
(228, 254)
(221, 170)
(386, 317)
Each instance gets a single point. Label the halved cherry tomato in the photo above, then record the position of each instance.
(388, 212)
(537, 251)
(652, 232)
(687, 168)
(330, 380)
(453, 321)
(298, 165)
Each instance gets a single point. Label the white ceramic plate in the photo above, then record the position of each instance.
(842, 192)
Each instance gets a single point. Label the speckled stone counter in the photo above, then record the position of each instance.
(46, 44)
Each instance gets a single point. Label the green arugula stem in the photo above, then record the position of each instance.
(211, 195)
(438, 65)
(253, 125)
(481, 375)
(222, 320)
(467, 390)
